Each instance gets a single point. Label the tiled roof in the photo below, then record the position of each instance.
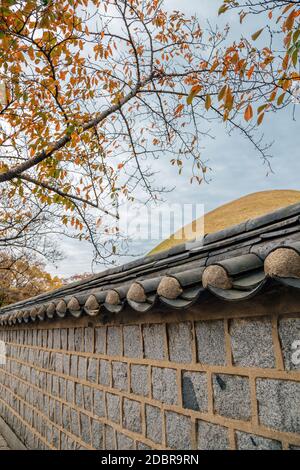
(233, 264)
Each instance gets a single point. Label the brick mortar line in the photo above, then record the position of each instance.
(228, 351)
(25, 423)
(52, 423)
(276, 344)
(209, 417)
(90, 414)
(232, 440)
(210, 394)
(253, 399)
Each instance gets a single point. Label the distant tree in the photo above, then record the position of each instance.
(21, 278)
(76, 278)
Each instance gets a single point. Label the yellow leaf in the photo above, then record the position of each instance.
(207, 102)
(194, 91)
(257, 34)
(229, 99)
(280, 99)
(260, 118)
(222, 9)
(222, 93)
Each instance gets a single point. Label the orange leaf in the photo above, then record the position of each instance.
(250, 72)
(290, 20)
(179, 109)
(248, 113)
(207, 102)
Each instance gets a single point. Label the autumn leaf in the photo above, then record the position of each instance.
(248, 113)
(290, 20)
(207, 102)
(194, 92)
(179, 109)
(250, 72)
(280, 99)
(222, 93)
(260, 118)
(223, 8)
(257, 34)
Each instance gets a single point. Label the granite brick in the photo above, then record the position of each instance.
(139, 379)
(119, 375)
(89, 340)
(85, 426)
(154, 423)
(99, 404)
(113, 407)
(252, 343)
(180, 342)
(232, 396)
(210, 338)
(114, 341)
(104, 372)
(97, 435)
(289, 334)
(78, 339)
(247, 441)
(92, 370)
(82, 367)
(194, 391)
(132, 415)
(278, 404)
(132, 341)
(178, 431)
(100, 340)
(110, 438)
(124, 442)
(154, 341)
(164, 385)
(211, 436)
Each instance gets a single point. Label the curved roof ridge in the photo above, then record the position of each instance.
(209, 248)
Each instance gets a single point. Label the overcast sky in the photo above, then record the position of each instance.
(236, 168)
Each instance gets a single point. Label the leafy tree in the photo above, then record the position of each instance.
(21, 278)
(272, 68)
(95, 91)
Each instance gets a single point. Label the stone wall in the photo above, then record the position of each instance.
(176, 381)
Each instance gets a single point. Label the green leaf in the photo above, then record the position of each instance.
(222, 9)
(296, 35)
(295, 57)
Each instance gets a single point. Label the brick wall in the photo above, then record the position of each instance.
(157, 382)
